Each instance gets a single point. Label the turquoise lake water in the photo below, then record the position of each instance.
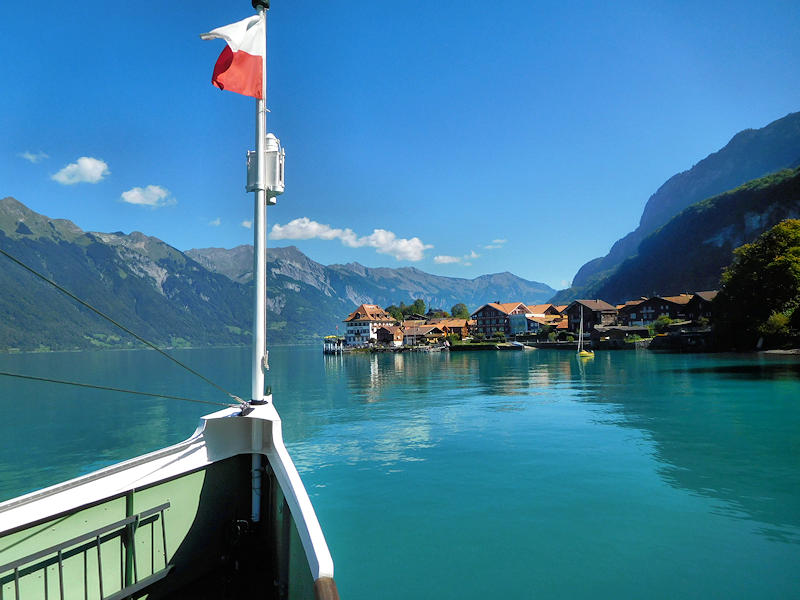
(478, 475)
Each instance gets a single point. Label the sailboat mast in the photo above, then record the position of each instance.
(259, 362)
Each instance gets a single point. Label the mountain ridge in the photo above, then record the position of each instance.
(176, 298)
(707, 232)
(750, 154)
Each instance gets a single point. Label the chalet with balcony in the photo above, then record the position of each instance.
(630, 313)
(459, 327)
(389, 335)
(595, 313)
(421, 334)
(700, 305)
(493, 317)
(674, 307)
(362, 324)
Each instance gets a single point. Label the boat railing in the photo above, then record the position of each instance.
(30, 576)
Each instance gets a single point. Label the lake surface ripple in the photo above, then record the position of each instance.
(475, 475)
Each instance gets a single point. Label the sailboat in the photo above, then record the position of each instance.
(583, 353)
(223, 514)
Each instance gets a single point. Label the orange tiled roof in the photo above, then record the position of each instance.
(505, 307)
(538, 309)
(449, 322)
(680, 299)
(421, 329)
(540, 320)
(596, 304)
(369, 312)
(707, 296)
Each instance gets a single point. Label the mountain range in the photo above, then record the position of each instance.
(201, 297)
(689, 252)
(750, 154)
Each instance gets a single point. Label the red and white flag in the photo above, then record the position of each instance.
(240, 67)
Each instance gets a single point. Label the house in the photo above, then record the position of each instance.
(459, 327)
(418, 334)
(673, 307)
(389, 335)
(526, 323)
(630, 313)
(595, 312)
(700, 305)
(493, 317)
(362, 324)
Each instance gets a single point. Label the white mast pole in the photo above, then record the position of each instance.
(260, 275)
(259, 234)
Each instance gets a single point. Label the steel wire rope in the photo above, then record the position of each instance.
(125, 329)
(110, 389)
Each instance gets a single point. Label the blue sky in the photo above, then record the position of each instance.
(516, 136)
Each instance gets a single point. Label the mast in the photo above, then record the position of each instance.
(259, 358)
(264, 178)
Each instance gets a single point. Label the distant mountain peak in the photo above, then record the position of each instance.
(17, 220)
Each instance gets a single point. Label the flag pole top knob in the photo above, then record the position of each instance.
(257, 3)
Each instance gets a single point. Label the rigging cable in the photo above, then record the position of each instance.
(239, 401)
(112, 389)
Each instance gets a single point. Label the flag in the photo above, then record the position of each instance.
(240, 67)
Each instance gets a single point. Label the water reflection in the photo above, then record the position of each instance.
(761, 370)
(718, 427)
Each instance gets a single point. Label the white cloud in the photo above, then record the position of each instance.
(384, 241)
(85, 170)
(495, 244)
(216, 222)
(153, 196)
(444, 259)
(33, 158)
(247, 224)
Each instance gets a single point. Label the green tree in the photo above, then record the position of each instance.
(418, 307)
(460, 311)
(661, 324)
(761, 283)
(546, 332)
(395, 311)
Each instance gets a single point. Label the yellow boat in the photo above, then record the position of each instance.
(581, 352)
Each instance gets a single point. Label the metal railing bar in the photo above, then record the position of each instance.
(60, 575)
(153, 547)
(130, 590)
(53, 558)
(100, 567)
(164, 537)
(85, 576)
(82, 538)
(133, 551)
(16, 584)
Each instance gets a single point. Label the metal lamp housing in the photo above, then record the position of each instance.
(274, 160)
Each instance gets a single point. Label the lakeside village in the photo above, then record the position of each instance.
(661, 322)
